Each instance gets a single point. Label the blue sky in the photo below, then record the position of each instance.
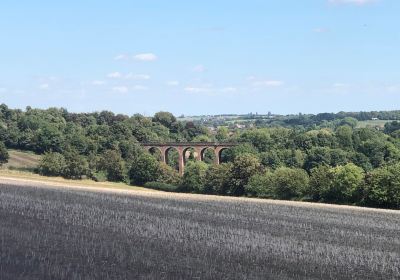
(201, 57)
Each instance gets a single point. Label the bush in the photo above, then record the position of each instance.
(52, 164)
(194, 177)
(283, 183)
(76, 166)
(339, 184)
(145, 168)
(244, 166)
(218, 178)
(383, 187)
(99, 176)
(113, 165)
(169, 175)
(161, 186)
(4, 156)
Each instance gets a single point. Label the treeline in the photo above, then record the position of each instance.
(337, 163)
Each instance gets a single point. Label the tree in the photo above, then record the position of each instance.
(289, 183)
(169, 175)
(164, 118)
(222, 133)
(344, 135)
(194, 177)
(283, 183)
(52, 164)
(321, 179)
(244, 166)
(217, 178)
(260, 185)
(113, 164)
(383, 187)
(341, 184)
(4, 156)
(76, 166)
(145, 168)
(347, 181)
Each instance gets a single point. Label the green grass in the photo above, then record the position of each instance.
(372, 123)
(21, 160)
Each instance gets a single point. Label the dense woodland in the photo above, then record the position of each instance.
(325, 159)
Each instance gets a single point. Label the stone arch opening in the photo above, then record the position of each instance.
(208, 155)
(223, 155)
(189, 154)
(156, 152)
(172, 157)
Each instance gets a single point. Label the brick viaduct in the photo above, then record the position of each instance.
(198, 147)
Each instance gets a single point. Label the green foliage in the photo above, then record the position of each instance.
(161, 186)
(52, 164)
(113, 165)
(168, 175)
(76, 165)
(164, 118)
(383, 187)
(341, 184)
(145, 168)
(283, 183)
(243, 168)
(194, 177)
(218, 178)
(4, 156)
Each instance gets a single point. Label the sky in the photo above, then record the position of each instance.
(201, 57)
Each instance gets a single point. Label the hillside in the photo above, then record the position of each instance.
(20, 160)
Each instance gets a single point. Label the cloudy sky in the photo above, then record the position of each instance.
(201, 57)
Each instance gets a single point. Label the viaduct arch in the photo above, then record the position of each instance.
(182, 147)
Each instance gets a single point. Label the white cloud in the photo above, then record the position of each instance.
(3, 89)
(354, 2)
(268, 83)
(199, 68)
(120, 89)
(129, 76)
(173, 83)
(44, 86)
(121, 57)
(145, 57)
(115, 75)
(98, 83)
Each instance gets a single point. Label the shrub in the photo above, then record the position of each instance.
(194, 178)
(161, 186)
(145, 168)
(113, 165)
(4, 156)
(244, 166)
(383, 187)
(218, 178)
(76, 166)
(169, 175)
(52, 164)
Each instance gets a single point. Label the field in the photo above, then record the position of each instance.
(372, 123)
(60, 232)
(20, 160)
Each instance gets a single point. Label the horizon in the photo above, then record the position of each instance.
(201, 58)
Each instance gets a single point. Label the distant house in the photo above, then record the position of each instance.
(375, 119)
